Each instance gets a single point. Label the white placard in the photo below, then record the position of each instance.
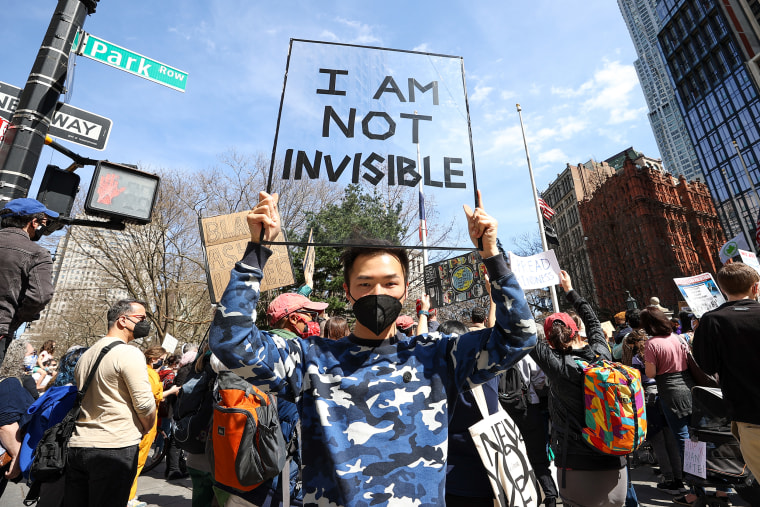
(750, 259)
(536, 271)
(701, 292)
(170, 343)
(695, 458)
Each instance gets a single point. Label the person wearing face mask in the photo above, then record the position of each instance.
(26, 284)
(117, 410)
(154, 359)
(374, 406)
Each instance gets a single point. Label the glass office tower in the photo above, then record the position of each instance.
(710, 49)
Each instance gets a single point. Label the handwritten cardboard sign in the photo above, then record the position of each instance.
(695, 458)
(225, 238)
(536, 271)
(750, 259)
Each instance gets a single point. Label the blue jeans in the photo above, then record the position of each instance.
(680, 428)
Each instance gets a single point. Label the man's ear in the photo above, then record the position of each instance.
(345, 289)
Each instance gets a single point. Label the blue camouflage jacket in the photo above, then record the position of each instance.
(374, 414)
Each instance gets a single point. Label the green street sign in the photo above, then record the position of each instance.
(106, 52)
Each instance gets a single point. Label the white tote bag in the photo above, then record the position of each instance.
(502, 451)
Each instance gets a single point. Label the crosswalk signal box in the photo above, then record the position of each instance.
(121, 192)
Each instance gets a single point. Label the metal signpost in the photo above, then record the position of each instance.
(69, 123)
(106, 52)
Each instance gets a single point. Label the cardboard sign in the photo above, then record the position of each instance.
(700, 292)
(608, 328)
(358, 115)
(170, 343)
(225, 238)
(309, 258)
(536, 271)
(695, 458)
(455, 280)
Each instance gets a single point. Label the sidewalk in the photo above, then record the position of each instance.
(158, 492)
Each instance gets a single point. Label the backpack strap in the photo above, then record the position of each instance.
(83, 390)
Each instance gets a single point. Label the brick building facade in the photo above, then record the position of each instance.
(644, 228)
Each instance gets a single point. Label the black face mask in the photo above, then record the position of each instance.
(38, 233)
(142, 329)
(377, 312)
(158, 364)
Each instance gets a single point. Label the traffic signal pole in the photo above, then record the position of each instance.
(25, 136)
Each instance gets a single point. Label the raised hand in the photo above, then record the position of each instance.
(264, 215)
(482, 226)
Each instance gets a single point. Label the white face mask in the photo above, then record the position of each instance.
(30, 361)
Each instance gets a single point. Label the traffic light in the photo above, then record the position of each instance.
(58, 190)
(121, 192)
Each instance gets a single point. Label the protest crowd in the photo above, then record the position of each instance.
(498, 408)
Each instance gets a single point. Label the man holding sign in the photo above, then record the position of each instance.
(374, 405)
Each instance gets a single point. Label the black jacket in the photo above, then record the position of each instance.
(727, 342)
(26, 284)
(566, 405)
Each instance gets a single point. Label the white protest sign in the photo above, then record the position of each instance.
(502, 450)
(170, 343)
(731, 247)
(701, 292)
(537, 271)
(363, 115)
(695, 458)
(750, 259)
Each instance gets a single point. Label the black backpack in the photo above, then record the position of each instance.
(513, 393)
(193, 410)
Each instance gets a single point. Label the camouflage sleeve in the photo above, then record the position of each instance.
(479, 356)
(262, 358)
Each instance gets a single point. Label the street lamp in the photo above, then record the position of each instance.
(630, 303)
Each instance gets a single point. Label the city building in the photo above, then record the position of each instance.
(573, 185)
(83, 290)
(645, 227)
(711, 51)
(673, 141)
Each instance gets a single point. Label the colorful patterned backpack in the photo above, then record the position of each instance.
(615, 416)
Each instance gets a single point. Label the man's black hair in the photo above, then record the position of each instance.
(478, 315)
(453, 327)
(632, 318)
(372, 247)
(16, 221)
(122, 307)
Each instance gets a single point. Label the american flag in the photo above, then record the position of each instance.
(546, 210)
(423, 221)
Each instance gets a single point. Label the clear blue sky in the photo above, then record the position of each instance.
(568, 63)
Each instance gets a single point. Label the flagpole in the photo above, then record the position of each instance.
(423, 216)
(552, 288)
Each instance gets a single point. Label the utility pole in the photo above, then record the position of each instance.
(25, 136)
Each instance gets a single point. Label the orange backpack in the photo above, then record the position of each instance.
(246, 446)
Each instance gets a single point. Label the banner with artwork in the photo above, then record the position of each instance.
(455, 280)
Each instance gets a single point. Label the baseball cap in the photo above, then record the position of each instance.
(404, 322)
(26, 206)
(561, 317)
(287, 303)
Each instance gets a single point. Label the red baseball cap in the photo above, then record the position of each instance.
(404, 322)
(287, 303)
(562, 317)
